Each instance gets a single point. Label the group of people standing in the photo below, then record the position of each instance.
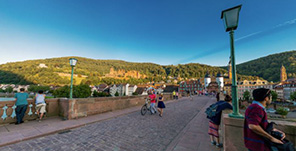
(160, 105)
(259, 135)
(21, 103)
(175, 95)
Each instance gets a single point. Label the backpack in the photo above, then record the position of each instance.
(211, 110)
(287, 146)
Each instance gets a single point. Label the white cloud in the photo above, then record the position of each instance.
(290, 22)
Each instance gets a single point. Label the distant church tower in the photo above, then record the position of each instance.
(283, 74)
(220, 81)
(230, 70)
(207, 80)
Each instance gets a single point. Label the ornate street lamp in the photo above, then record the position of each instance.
(230, 19)
(73, 62)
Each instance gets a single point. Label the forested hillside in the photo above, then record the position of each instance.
(56, 71)
(269, 67)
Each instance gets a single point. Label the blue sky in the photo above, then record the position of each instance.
(158, 31)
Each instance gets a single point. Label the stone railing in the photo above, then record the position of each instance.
(232, 132)
(7, 110)
(73, 108)
(291, 107)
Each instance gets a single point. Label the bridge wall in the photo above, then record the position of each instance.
(76, 108)
(232, 132)
(73, 108)
(52, 108)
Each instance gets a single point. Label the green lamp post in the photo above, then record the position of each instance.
(230, 18)
(73, 62)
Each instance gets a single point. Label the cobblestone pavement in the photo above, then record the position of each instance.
(131, 132)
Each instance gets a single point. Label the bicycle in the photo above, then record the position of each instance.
(146, 107)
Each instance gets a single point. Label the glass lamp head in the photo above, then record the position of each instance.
(230, 17)
(73, 62)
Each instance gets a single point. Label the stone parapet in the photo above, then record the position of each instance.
(232, 132)
(73, 108)
(76, 108)
(8, 115)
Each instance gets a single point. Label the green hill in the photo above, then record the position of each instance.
(269, 67)
(56, 71)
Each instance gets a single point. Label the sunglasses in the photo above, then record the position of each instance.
(268, 93)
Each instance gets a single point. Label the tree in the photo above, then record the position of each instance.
(95, 94)
(274, 95)
(293, 96)
(36, 88)
(1, 90)
(62, 92)
(9, 89)
(79, 91)
(247, 95)
(116, 94)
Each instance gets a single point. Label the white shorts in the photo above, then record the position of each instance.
(41, 108)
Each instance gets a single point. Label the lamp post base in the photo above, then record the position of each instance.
(238, 115)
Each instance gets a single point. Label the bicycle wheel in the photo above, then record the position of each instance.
(144, 109)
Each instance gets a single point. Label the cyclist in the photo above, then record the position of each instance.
(152, 97)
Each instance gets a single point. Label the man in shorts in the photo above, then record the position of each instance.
(40, 104)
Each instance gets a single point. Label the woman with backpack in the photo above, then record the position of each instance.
(214, 113)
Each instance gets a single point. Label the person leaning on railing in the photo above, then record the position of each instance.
(217, 108)
(40, 104)
(21, 105)
(256, 123)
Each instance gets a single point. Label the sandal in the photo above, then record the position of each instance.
(213, 143)
(219, 145)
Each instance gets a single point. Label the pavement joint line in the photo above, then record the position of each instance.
(172, 145)
(84, 124)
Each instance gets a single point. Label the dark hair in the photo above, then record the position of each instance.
(268, 94)
(261, 93)
(40, 91)
(22, 89)
(217, 96)
(228, 98)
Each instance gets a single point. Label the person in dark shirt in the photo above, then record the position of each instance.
(256, 122)
(21, 104)
(223, 104)
(217, 97)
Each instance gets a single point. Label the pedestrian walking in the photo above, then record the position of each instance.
(256, 124)
(40, 104)
(214, 113)
(177, 95)
(187, 93)
(191, 98)
(217, 97)
(21, 105)
(174, 94)
(152, 97)
(161, 105)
